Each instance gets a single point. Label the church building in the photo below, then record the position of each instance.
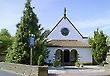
(67, 44)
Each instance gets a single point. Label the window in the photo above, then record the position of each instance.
(64, 31)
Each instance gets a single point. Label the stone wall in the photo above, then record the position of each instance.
(26, 70)
(107, 66)
(2, 57)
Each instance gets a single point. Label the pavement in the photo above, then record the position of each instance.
(8, 73)
(74, 71)
(67, 71)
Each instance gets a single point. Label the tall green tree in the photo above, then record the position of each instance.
(99, 46)
(20, 51)
(5, 40)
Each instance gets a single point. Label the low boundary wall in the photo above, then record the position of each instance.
(2, 57)
(26, 70)
(107, 66)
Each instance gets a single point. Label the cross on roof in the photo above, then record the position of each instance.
(65, 12)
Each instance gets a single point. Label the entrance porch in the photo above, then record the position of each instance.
(66, 56)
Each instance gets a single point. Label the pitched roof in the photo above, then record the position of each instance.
(67, 43)
(70, 23)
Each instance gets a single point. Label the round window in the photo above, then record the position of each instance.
(64, 31)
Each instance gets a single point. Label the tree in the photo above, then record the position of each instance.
(108, 40)
(20, 51)
(4, 32)
(40, 60)
(99, 46)
(5, 40)
(46, 33)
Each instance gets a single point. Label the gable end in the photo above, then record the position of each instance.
(71, 24)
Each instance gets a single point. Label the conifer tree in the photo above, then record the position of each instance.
(28, 25)
(99, 46)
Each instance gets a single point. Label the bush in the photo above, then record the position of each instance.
(81, 65)
(40, 60)
(102, 64)
(77, 64)
(56, 63)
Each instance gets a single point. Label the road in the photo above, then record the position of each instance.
(6, 73)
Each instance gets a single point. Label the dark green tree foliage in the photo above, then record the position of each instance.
(108, 41)
(4, 32)
(46, 33)
(99, 46)
(40, 60)
(28, 25)
(5, 40)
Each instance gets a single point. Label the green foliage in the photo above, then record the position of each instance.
(77, 64)
(81, 65)
(9, 55)
(4, 32)
(108, 41)
(99, 46)
(102, 64)
(56, 63)
(5, 40)
(46, 33)
(20, 49)
(40, 60)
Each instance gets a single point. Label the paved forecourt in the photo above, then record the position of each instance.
(8, 73)
(72, 70)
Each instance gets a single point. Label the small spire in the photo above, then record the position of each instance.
(28, 1)
(64, 12)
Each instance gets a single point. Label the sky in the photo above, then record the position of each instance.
(86, 15)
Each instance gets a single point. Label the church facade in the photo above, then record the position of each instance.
(67, 44)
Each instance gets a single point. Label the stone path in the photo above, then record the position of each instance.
(80, 74)
(74, 71)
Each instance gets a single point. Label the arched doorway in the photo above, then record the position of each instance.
(73, 56)
(66, 55)
(58, 55)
